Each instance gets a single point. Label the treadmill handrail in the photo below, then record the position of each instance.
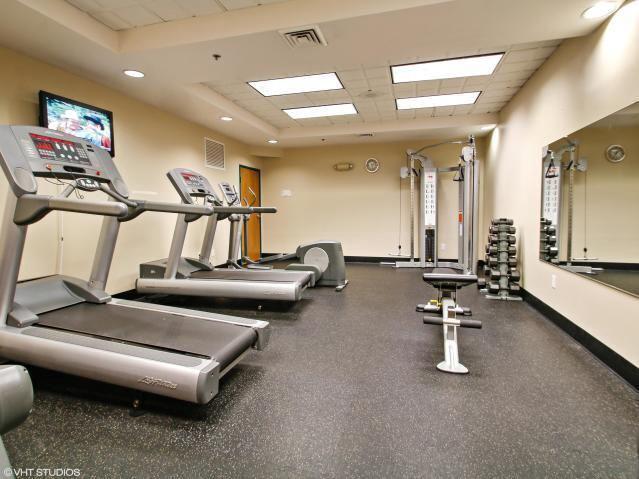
(192, 211)
(33, 207)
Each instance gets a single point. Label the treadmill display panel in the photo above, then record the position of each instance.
(56, 149)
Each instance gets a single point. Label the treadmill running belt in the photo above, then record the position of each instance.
(220, 341)
(276, 276)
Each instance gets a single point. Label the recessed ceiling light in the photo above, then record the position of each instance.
(599, 10)
(272, 142)
(301, 84)
(437, 100)
(226, 118)
(133, 73)
(487, 127)
(319, 111)
(453, 68)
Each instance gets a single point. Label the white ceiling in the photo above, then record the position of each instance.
(364, 37)
(373, 93)
(124, 14)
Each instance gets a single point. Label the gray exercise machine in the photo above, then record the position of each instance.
(16, 401)
(467, 176)
(73, 326)
(449, 314)
(552, 197)
(197, 276)
(323, 259)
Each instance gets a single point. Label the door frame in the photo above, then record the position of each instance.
(244, 232)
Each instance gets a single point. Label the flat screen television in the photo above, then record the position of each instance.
(88, 122)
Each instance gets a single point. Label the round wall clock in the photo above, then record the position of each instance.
(372, 165)
(615, 153)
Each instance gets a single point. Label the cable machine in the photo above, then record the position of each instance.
(467, 176)
(552, 198)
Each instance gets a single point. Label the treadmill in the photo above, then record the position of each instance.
(73, 326)
(198, 277)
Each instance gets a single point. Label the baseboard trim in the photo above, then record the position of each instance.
(374, 259)
(386, 259)
(610, 358)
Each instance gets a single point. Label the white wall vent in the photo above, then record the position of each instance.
(301, 37)
(213, 154)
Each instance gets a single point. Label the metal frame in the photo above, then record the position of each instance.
(134, 365)
(468, 211)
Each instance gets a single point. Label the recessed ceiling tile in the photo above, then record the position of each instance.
(406, 114)
(201, 7)
(444, 111)
(463, 109)
(351, 75)
(88, 6)
(167, 10)
(137, 15)
(237, 4)
(354, 83)
(113, 4)
(377, 72)
(378, 82)
(405, 90)
(453, 83)
(112, 20)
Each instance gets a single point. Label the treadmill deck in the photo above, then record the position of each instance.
(270, 276)
(220, 341)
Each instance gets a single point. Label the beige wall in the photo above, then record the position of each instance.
(148, 143)
(360, 209)
(586, 79)
(604, 196)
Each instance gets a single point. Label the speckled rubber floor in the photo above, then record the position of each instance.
(348, 388)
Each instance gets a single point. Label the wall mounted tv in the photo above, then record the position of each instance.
(88, 122)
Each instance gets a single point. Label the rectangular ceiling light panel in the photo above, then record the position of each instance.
(319, 111)
(437, 100)
(302, 84)
(441, 69)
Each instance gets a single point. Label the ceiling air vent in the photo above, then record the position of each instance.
(213, 154)
(301, 37)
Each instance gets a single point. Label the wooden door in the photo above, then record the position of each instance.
(250, 192)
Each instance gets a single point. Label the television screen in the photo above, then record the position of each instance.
(90, 123)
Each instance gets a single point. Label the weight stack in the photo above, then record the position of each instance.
(501, 276)
(548, 249)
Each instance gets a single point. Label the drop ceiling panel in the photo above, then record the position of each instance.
(371, 89)
(125, 14)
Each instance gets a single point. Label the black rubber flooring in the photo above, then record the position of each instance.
(348, 388)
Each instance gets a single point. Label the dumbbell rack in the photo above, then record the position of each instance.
(502, 277)
(548, 249)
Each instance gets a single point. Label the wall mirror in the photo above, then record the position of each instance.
(590, 201)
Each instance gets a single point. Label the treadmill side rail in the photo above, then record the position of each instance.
(186, 378)
(262, 328)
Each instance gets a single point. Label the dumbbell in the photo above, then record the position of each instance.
(495, 229)
(493, 288)
(549, 239)
(481, 283)
(512, 262)
(514, 289)
(502, 221)
(549, 229)
(514, 275)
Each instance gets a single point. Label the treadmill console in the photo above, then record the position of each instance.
(27, 152)
(230, 194)
(190, 185)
